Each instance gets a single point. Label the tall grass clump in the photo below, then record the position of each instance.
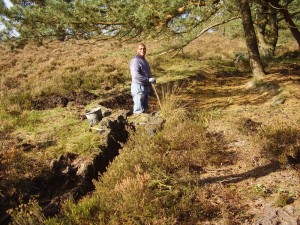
(171, 104)
(281, 142)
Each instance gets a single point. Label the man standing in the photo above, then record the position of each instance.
(141, 80)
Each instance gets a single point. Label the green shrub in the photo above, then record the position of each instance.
(7, 122)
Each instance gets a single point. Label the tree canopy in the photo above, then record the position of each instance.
(125, 19)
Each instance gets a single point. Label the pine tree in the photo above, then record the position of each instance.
(125, 19)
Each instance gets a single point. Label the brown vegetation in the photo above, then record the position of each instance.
(226, 152)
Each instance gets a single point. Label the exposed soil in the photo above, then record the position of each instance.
(119, 101)
(115, 101)
(53, 101)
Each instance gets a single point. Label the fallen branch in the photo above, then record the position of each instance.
(229, 179)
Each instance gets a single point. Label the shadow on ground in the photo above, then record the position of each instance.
(255, 173)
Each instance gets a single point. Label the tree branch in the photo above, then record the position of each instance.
(218, 24)
(199, 34)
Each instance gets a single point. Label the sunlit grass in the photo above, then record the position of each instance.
(60, 126)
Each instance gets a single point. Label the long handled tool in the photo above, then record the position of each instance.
(153, 86)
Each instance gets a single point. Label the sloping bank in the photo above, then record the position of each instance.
(72, 175)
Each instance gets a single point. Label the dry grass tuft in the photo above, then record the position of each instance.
(223, 204)
(172, 108)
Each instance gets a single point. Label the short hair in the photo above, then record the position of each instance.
(141, 44)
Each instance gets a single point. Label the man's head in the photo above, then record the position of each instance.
(141, 50)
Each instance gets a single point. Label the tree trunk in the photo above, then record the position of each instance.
(251, 40)
(267, 38)
(273, 36)
(288, 19)
(261, 22)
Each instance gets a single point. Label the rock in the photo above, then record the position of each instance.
(152, 122)
(113, 121)
(271, 215)
(155, 124)
(105, 111)
(94, 116)
(63, 166)
(84, 167)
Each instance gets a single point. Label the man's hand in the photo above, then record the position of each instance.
(152, 80)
